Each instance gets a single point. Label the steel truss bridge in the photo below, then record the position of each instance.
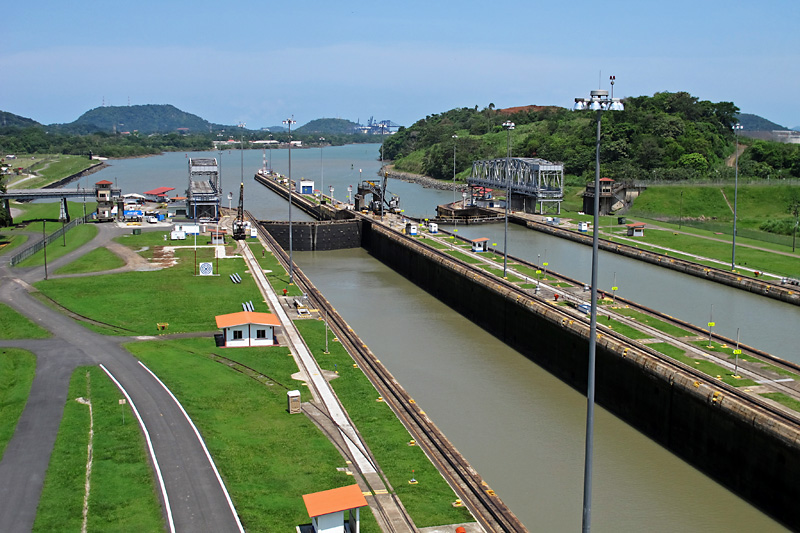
(532, 182)
(38, 194)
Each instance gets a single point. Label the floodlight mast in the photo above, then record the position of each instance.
(598, 101)
(289, 122)
(508, 125)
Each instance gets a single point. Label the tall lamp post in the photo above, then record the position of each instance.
(454, 168)
(508, 125)
(321, 170)
(270, 154)
(289, 122)
(736, 128)
(599, 102)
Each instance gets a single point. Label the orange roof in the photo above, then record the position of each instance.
(247, 317)
(480, 239)
(636, 225)
(334, 500)
(104, 182)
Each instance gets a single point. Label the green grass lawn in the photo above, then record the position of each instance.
(755, 259)
(622, 329)
(707, 367)
(75, 238)
(277, 275)
(17, 369)
(52, 168)
(173, 295)
(15, 326)
(10, 240)
(428, 502)
(653, 322)
(123, 492)
(782, 399)
(97, 260)
(267, 457)
(463, 257)
(50, 211)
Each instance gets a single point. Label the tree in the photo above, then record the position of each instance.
(794, 208)
(5, 216)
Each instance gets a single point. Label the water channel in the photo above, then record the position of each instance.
(522, 429)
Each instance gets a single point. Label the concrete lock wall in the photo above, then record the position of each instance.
(736, 443)
(311, 236)
(771, 290)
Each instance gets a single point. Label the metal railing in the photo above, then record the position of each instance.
(38, 246)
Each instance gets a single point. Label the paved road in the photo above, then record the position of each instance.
(196, 497)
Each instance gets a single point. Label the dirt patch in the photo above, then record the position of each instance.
(163, 257)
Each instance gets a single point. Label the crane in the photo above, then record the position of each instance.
(238, 224)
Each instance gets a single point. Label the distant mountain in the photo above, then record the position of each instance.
(328, 125)
(10, 119)
(146, 119)
(752, 122)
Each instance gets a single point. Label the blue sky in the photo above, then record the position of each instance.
(260, 62)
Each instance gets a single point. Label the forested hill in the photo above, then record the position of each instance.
(145, 119)
(329, 126)
(11, 120)
(672, 136)
(755, 123)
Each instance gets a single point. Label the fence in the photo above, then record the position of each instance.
(37, 246)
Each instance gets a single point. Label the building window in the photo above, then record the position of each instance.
(261, 334)
(237, 334)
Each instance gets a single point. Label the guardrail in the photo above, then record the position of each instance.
(37, 246)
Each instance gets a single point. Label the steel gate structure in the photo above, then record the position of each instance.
(526, 177)
(203, 194)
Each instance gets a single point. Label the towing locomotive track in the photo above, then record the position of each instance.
(487, 508)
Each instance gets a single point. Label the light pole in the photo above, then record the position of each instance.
(270, 154)
(736, 128)
(508, 125)
(321, 169)
(599, 102)
(219, 176)
(349, 194)
(680, 219)
(333, 202)
(289, 122)
(454, 168)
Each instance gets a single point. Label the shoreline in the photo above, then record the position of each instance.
(426, 181)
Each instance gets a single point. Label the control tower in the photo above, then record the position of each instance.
(203, 194)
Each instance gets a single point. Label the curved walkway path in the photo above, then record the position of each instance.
(197, 499)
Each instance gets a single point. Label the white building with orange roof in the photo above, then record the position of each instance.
(249, 328)
(327, 509)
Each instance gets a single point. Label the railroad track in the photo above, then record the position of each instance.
(472, 490)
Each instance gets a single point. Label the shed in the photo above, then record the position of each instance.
(636, 230)
(304, 186)
(480, 244)
(327, 509)
(217, 237)
(411, 228)
(249, 328)
(158, 194)
(433, 227)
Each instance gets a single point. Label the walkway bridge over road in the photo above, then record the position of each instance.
(531, 182)
(28, 195)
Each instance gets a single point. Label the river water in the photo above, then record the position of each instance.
(521, 428)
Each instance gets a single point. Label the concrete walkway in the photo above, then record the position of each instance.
(325, 398)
